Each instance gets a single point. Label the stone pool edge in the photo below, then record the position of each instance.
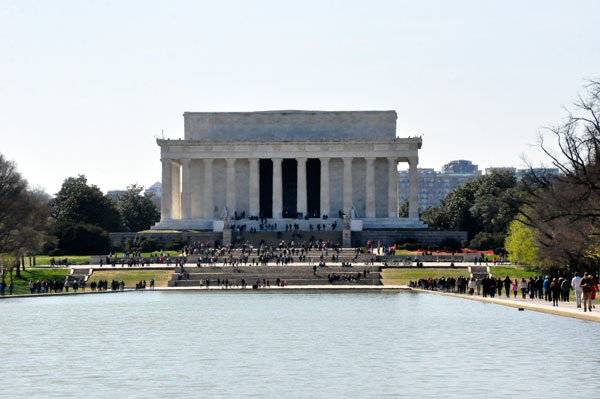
(574, 313)
(232, 289)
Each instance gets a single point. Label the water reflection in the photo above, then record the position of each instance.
(291, 345)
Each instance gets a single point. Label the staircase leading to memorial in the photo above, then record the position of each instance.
(293, 275)
(276, 237)
(479, 271)
(343, 255)
(78, 275)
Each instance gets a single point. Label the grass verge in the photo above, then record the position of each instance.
(131, 277)
(22, 284)
(402, 276)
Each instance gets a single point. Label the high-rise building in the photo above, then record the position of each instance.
(434, 186)
(460, 167)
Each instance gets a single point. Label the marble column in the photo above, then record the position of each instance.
(231, 186)
(301, 199)
(186, 187)
(208, 189)
(347, 185)
(277, 188)
(254, 187)
(370, 188)
(413, 197)
(165, 201)
(392, 187)
(175, 190)
(325, 201)
(197, 190)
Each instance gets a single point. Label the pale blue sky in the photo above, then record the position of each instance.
(86, 85)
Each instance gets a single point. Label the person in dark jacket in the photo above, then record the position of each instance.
(555, 289)
(507, 283)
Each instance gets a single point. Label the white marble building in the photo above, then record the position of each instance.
(303, 167)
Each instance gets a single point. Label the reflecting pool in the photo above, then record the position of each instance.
(291, 344)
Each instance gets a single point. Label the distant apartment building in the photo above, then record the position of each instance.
(434, 185)
(521, 173)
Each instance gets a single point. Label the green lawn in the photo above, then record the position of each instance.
(513, 272)
(22, 284)
(42, 260)
(402, 276)
(130, 277)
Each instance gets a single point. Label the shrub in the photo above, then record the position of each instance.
(450, 244)
(80, 239)
(410, 246)
(176, 245)
(406, 240)
(146, 244)
(485, 241)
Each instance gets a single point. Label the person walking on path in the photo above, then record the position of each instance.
(515, 287)
(566, 289)
(587, 286)
(555, 291)
(507, 283)
(595, 283)
(576, 284)
(523, 287)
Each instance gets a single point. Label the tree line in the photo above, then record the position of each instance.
(76, 221)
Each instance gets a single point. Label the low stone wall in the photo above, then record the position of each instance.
(359, 238)
(390, 237)
(164, 237)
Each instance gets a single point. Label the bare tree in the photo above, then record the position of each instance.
(565, 209)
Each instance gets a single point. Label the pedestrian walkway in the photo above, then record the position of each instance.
(567, 309)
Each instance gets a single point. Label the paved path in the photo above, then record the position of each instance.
(567, 309)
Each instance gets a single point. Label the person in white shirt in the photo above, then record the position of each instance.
(576, 284)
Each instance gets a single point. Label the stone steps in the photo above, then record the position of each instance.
(293, 282)
(479, 271)
(294, 275)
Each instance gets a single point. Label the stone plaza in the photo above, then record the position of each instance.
(284, 167)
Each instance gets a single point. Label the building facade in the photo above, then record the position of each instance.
(305, 166)
(434, 186)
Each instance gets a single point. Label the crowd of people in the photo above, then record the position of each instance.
(346, 277)
(242, 283)
(555, 290)
(283, 254)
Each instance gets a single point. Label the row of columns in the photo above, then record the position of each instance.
(179, 206)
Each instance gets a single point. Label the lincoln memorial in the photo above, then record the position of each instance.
(301, 167)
